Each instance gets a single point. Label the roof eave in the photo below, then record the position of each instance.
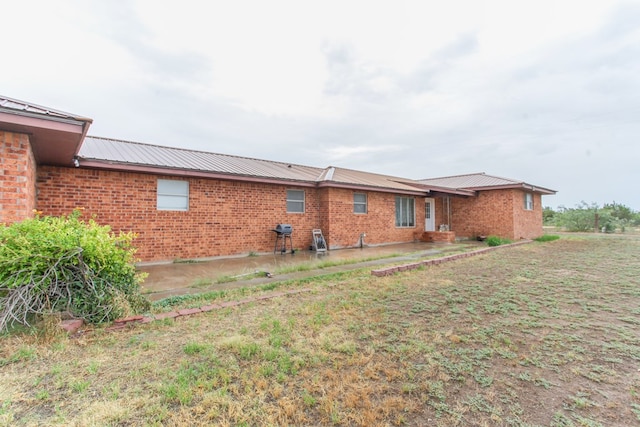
(447, 190)
(129, 167)
(364, 187)
(519, 186)
(54, 140)
(187, 173)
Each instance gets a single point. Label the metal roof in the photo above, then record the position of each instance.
(367, 179)
(105, 152)
(114, 151)
(136, 156)
(27, 108)
(57, 137)
(481, 181)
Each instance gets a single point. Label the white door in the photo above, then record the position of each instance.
(429, 215)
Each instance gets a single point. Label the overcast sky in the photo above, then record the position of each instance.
(547, 92)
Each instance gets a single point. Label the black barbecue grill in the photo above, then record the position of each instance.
(283, 231)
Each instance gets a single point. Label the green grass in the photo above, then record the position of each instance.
(547, 238)
(294, 268)
(202, 282)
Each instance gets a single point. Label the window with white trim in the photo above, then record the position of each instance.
(295, 201)
(173, 195)
(405, 212)
(359, 203)
(528, 201)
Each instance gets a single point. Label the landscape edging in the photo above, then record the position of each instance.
(389, 271)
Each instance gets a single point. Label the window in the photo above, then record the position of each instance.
(359, 203)
(173, 195)
(528, 201)
(405, 212)
(295, 201)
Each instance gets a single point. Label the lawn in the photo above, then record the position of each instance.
(539, 334)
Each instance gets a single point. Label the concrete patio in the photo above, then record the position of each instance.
(170, 279)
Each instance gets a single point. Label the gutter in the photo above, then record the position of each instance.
(67, 120)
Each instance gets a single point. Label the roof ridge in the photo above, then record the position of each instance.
(190, 150)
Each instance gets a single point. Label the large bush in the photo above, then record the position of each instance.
(64, 264)
(585, 217)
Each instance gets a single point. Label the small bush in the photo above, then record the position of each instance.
(497, 241)
(63, 264)
(547, 238)
(494, 241)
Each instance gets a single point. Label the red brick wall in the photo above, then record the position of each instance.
(488, 213)
(17, 178)
(527, 224)
(496, 212)
(344, 227)
(224, 217)
(324, 215)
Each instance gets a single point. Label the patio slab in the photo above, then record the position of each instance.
(166, 280)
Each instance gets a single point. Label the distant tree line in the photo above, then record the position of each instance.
(609, 218)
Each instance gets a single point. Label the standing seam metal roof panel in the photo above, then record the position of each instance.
(134, 153)
(478, 181)
(350, 176)
(470, 181)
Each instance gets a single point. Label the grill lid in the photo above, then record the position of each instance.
(283, 229)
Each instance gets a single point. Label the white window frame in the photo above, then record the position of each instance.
(405, 213)
(528, 201)
(295, 204)
(172, 195)
(360, 206)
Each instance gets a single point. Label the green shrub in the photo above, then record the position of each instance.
(494, 241)
(497, 241)
(585, 217)
(63, 264)
(547, 238)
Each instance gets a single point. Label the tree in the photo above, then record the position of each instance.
(623, 213)
(548, 215)
(591, 217)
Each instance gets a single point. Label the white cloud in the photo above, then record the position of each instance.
(342, 152)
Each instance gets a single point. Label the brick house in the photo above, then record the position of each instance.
(193, 204)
